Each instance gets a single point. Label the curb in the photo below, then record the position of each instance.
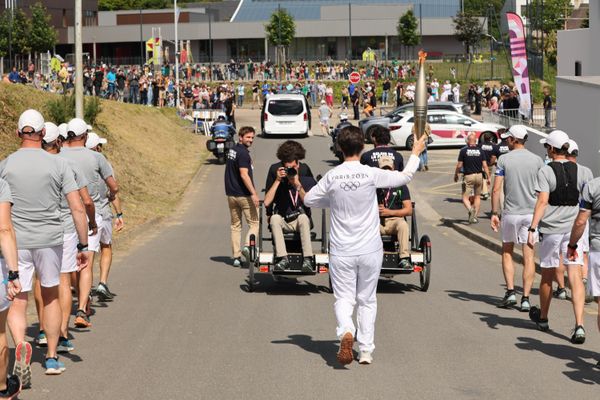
(486, 241)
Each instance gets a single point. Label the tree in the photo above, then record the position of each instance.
(21, 29)
(480, 7)
(553, 17)
(407, 29)
(586, 22)
(42, 35)
(4, 28)
(281, 31)
(468, 30)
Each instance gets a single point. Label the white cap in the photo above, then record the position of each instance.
(556, 139)
(573, 146)
(51, 132)
(516, 131)
(94, 140)
(77, 126)
(89, 128)
(62, 130)
(322, 101)
(32, 119)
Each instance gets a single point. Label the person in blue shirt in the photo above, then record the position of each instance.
(14, 76)
(111, 78)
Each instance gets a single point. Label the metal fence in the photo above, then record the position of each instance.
(540, 118)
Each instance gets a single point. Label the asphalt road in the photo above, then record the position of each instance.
(184, 327)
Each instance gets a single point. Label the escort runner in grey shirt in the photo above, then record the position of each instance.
(65, 212)
(93, 168)
(520, 169)
(103, 205)
(557, 219)
(590, 201)
(37, 180)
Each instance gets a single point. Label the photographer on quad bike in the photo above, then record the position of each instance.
(285, 200)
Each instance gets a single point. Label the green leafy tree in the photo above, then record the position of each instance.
(468, 30)
(4, 28)
(281, 31)
(407, 30)
(112, 5)
(480, 7)
(21, 29)
(42, 35)
(553, 17)
(586, 22)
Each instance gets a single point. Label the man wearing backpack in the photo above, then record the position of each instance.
(558, 186)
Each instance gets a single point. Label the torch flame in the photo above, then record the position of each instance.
(422, 57)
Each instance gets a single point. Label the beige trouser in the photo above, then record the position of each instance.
(300, 224)
(397, 226)
(239, 205)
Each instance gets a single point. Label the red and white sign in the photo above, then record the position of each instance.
(354, 77)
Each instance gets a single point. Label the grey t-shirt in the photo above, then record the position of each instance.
(93, 166)
(65, 212)
(5, 195)
(37, 180)
(590, 201)
(558, 219)
(324, 112)
(519, 168)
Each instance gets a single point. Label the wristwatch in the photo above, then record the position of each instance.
(496, 213)
(12, 275)
(572, 246)
(531, 229)
(82, 247)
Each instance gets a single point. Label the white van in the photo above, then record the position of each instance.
(285, 114)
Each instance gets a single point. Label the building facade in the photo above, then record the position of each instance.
(324, 29)
(578, 87)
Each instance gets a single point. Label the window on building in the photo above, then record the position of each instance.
(577, 68)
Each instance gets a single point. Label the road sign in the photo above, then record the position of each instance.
(354, 77)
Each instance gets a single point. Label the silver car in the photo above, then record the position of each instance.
(367, 124)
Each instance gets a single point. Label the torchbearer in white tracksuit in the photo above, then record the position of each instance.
(356, 249)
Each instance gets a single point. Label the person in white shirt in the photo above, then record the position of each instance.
(356, 250)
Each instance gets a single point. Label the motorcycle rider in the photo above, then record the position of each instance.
(222, 128)
(342, 124)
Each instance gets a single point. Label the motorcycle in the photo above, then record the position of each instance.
(333, 133)
(222, 141)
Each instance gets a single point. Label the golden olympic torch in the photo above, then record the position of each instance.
(421, 96)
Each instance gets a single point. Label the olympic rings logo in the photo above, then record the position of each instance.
(349, 186)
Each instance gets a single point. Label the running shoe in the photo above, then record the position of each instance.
(535, 315)
(405, 264)
(366, 357)
(64, 345)
(485, 196)
(22, 368)
(560, 293)
(82, 320)
(345, 355)
(598, 365)
(282, 265)
(509, 299)
(41, 339)
(525, 305)
(307, 265)
(237, 262)
(578, 336)
(54, 367)
(13, 388)
(246, 253)
(472, 218)
(103, 293)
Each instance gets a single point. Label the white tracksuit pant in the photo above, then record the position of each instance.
(354, 280)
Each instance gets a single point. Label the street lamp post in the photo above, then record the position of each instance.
(176, 16)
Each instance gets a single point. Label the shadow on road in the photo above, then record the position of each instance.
(581, 370)
(392, 286)
(466, 296)
(222, 259)
(264, 283)
(493, 320)
(327, 349)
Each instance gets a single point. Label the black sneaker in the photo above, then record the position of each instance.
(13, 388)
(308, 266)
(525, 304)
(535, 315)
(578, 336)
(405, 264)
(509, 299)
(282, 265)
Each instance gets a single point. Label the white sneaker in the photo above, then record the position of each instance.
(366, 357)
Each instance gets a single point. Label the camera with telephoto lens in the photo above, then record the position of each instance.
(381, 196)
(291, 171)
(292, 215)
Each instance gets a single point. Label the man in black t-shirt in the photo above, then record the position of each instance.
(241, 194)
(472, 163)
(394, 206)
(381, 139)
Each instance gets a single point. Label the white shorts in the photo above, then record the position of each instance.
(94, 241)
(515, 228)
(105, 231)
(69, 255)
(585, 239)
(555, 244)
(44, 262)
(594, 274)
(4, 303)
